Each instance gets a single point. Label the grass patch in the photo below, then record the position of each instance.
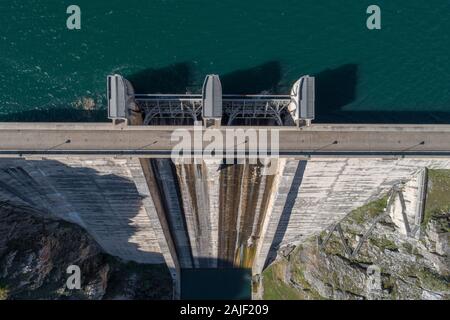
(437, 203)
(334, 247)
(368, 211)
(275, 288)
(433, 281)
(299, 278)
(408, 247)
(383, 243)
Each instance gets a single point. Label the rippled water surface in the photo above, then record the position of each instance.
(398, 74)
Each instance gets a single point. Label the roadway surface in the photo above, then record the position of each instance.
(343, 140)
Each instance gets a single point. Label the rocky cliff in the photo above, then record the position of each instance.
(35, 253)
(367, 256)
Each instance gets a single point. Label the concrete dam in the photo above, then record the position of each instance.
(148, 208)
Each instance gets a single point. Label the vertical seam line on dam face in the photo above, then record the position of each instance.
(155, 193)
(183, 246)
(229, 201)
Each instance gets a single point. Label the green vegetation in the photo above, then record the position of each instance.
(388, 283)
(358, 217)
(334, 246)
(274, 286)
(340, 276)
(299, 278)
(368, 211)
(433, 281)
(437, 203)
(408, 247)
(3, 291)
(383, 243)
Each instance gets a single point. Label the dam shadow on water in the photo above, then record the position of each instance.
(178, 78)
(255, 80)
(337, 88)
(175, 78)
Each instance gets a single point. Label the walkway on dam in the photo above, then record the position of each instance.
(345, 140)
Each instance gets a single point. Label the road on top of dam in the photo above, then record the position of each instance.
(318, 140)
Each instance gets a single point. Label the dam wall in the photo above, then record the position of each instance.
(331, 188)
(199, 186)
(206, 214)
(167, 183)
(243, 200)
(98, 194)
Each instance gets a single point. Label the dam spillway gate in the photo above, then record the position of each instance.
(213, 214)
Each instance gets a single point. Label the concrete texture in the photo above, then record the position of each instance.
(206, 214)
(331, 188)
(168, 186)
(155, 141)
(199, 187)
(407, 208)
(97, 194)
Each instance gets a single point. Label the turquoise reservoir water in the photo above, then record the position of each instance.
(400, 73)
(216, 284)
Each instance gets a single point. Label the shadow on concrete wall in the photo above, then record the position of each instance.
(287, 211)
(106, 205)
(169, 191)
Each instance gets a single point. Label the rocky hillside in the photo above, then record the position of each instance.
(386, 265)
(35, 253)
